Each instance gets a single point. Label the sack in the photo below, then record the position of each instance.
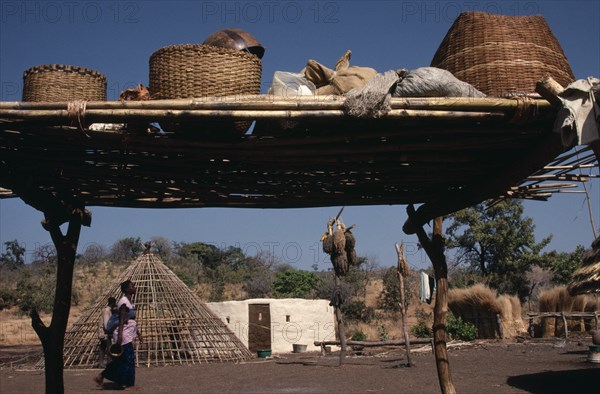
(342, 80)
(291, 85)
(433, 82)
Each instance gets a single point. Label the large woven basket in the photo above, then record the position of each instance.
(201, 71)
(58, 82)
(502, 55)
(189, 70)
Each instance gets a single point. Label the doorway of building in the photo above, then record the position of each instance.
(259, 329)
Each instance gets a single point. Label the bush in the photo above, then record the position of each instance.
(421, 330)
(295, 284)
(459, 329)
(358, 336)
(8, 298)
(358, 311)
(423, 327)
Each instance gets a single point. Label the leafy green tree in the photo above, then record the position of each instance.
(35, 288)
(295, 284)
(498, 242)
(14, 257)
(563, 264)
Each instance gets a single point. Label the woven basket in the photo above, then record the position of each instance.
(58, 82)
(186, 71)
(200, 71)
(502, 55)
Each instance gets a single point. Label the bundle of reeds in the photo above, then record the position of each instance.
(478, 305)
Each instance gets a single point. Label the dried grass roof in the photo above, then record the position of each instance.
(586, 279)
(448, 153)
(177, 327)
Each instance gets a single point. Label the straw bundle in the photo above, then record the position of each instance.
(558, 299)
(510, 312)
(349, 248)
(327, 243)
(478, 305)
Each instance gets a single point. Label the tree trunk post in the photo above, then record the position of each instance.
(435, 250)
(340, 323)
(53, 336)
(402, 273)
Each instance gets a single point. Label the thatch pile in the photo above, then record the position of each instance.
(558, 299)
(587, 278)
(492, 315)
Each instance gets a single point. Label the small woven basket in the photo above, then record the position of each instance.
(201, 71)
(58, 82)
(502, 55)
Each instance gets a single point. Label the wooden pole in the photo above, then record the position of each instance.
(549, 89)
(402, 273)
(435, 250)
(340, 323)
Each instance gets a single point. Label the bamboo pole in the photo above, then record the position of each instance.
(124, 115)
(261, 102)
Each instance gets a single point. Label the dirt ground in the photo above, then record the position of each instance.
(534, 366)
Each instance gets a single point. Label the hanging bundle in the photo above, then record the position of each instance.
(338, 255)
(339, 245)
(327, 237)
(403, 269)
(350, 243)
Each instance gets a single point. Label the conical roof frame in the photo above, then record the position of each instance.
(176, 325)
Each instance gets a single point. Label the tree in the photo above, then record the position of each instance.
(498, 242)
(44, 255)
(162, 247)
(389, 299)
(294, 284)
(92, 254)
(563, 264)
(126, 249)
(14, 257)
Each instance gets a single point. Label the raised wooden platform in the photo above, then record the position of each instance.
(446, 153)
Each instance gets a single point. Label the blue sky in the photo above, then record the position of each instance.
(118, 37)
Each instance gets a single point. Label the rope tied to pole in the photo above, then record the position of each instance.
(76, 113)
